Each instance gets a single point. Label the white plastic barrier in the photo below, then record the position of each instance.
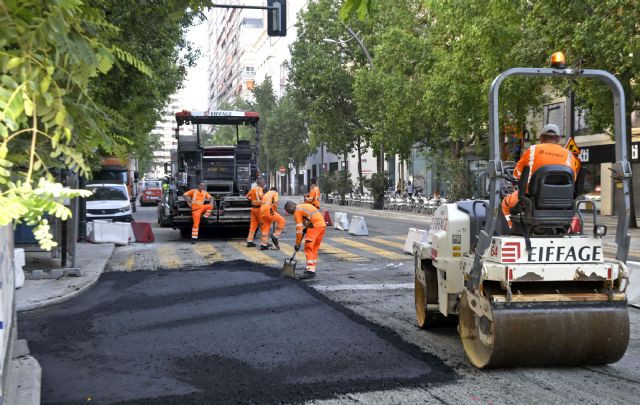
(341, 221)
(18, 263)
(358, 227)
(633, 290)
(110, 232)
(7, 304)
(414, 235)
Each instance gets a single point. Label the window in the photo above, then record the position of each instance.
(252, 22)
(250, 69)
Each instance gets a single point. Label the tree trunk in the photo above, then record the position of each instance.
(360, 185)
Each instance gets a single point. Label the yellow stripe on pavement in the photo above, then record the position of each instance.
(253, 254)
(399, 237)
(386, 242)
(168, 256)
(207, 252)
(371, 249)
(287, 249)
(341, 254)
(130, 262)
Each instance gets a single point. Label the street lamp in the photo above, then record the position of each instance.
(370, 63)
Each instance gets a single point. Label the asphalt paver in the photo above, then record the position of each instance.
(233, 332)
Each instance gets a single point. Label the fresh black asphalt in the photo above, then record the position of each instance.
(230, 333)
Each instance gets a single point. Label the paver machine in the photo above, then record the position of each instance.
(539, 294)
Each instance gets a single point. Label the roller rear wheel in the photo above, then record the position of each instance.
(426, 297)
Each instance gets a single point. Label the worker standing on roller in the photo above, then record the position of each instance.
(269, 214)
(313, 197)
(196, 200)
(255, 196)
(547, 152)
(310, 224)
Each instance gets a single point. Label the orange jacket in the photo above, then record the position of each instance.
(255, 196)
(198, 197)
(546, 154)
(313, 197)
(269, 201)
(304, 215)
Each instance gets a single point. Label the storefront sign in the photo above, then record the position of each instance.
(606, 153)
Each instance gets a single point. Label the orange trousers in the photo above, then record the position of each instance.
(255, 223)
(267, 218)
(508, 202)
(197, 211)
(312, 242)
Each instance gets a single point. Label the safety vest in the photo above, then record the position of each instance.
(314, 196)
(270, 201)
(197, 196)
(545, 154)
(255, 195)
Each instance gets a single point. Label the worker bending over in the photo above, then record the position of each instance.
(547, 152)
(313, 197)
(196, 200)
(255, 196)
(269, 214)
(310, 223)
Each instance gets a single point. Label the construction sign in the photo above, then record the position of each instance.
(571, 145)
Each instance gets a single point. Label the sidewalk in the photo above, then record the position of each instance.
(92, 259)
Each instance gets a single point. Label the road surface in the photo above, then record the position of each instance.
(173, 322)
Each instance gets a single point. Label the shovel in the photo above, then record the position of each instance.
(289, 268)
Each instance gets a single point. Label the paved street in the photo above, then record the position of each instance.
(212, 323)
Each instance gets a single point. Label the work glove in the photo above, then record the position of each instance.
(297, 247)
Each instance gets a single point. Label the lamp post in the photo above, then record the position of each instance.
(370, 63)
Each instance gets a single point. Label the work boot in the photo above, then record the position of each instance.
(275, 242)
(307, 274)
(251, 244)
(193, 241)
(263, 247)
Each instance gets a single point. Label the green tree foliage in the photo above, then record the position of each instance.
(286, 135)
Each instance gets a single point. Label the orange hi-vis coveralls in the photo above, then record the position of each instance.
(313, 197)
(255, 196)
(198, 208)
(535, 157)
(307, 215)
(268, 214)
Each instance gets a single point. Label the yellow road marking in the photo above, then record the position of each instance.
(253, 254)
(399, 237)
(208, 253)
(387, 243)
(287, 249)
(371, 249)
(168, 256)
(130, 262)
(340, 253)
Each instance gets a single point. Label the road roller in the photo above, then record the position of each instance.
(539, 293)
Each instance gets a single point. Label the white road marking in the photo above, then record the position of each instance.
(373, 287)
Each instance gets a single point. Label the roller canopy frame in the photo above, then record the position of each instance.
(621, 169)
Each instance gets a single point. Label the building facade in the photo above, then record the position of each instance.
(165, 130)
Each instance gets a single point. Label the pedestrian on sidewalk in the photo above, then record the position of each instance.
(197, 200)
(269, 214)
(255, 195)
(409, 189)
(313, 197)
(310, 224)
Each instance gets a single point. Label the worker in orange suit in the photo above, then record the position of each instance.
(547, 152)
(310, 224)
(313, 197)
(255, 197)
(269, 214)
(197, 200)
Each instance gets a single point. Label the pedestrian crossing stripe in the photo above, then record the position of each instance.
(169, 258)
(341, 254)
(371, 249)
(253, 254)
(207, 252)
(130, 262)
(399, 237)
(387, 242)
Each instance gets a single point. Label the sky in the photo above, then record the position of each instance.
(194, 94)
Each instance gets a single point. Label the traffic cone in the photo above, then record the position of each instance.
(327, 217)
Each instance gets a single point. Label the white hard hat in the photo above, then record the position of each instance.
(550, 129)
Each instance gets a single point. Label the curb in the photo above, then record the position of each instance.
(100, 263)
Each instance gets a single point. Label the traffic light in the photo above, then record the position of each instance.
(277, 18)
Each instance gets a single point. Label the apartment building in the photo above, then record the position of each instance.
(165, 129)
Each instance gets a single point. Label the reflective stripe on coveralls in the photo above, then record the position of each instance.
(269, 214)
(309, 214)
(313, 197)
(535, 157)
(255, 195)
(198, 209)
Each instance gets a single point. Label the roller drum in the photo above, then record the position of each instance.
(546, 334)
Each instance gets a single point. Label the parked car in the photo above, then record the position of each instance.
(110, 202)
(164, 217)
(151, 192)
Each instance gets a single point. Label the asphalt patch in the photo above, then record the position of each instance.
(230, 333)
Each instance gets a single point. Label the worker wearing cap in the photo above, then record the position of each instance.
(310, 224)
(197, 200)
(255, 197)
(269, 214)
(313, 197)
(547, 152)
